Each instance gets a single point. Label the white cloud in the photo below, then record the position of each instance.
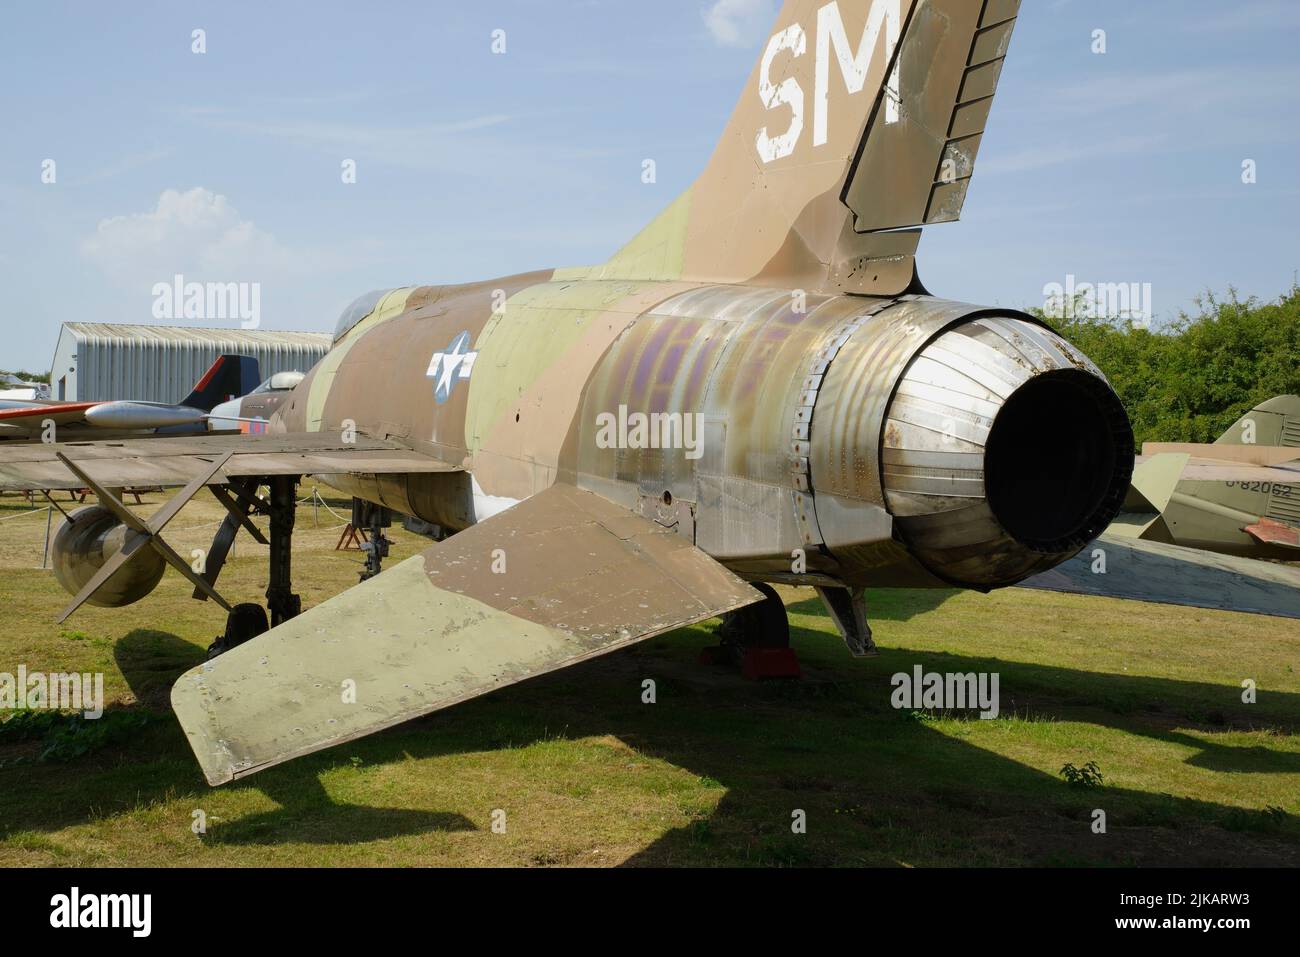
(739, 23)
(196, 233)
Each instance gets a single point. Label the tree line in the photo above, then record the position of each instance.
(1191, 379)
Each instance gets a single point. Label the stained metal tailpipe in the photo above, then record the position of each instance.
(1004, 452)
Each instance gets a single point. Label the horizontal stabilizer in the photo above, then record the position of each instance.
(557, 579)
(1154, 481)
(1152, 486)
(1170, 574)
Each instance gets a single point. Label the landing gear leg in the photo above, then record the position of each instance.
(848, 609)
(757, 638)
(248, 620)
(374, 519)
(280, 599)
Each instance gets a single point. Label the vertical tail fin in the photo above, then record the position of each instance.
(227, 378)
(1274, 422)
(859, 124)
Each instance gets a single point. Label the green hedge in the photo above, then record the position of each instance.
(1194, 377)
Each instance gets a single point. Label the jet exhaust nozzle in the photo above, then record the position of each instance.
(1004, 452)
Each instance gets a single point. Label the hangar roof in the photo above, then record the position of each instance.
(105, 332)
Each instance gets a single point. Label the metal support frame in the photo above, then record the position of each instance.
(239, 506)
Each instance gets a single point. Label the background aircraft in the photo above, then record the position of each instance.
(251, 412)
(757, 388)
(1239, 495)
(1197, 519)
(29, 421)
(13, 387)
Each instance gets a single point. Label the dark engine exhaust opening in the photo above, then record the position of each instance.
(1058, 461)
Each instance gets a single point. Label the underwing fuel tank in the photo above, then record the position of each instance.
(88, 539)
(142, 415)
(998, 448)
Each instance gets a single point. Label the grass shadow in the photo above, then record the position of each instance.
(879, 786)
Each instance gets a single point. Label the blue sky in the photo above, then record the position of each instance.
(225, 166)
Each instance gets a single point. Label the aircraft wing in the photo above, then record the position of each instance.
(559, 578)
(177, 460)
(229, 375)
(31, 416)
(1169, 574)
(99, 416)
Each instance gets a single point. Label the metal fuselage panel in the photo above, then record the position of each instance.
(692, 404)
(523, 384)
(1213, 515)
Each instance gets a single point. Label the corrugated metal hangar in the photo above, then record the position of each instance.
(97, 360)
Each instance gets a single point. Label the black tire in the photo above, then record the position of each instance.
(761, 625)
(244, 623)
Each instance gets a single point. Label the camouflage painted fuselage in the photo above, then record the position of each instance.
(844, 421)
(809, 437)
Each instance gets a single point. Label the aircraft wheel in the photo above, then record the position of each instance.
(245, 622)
(761, 625)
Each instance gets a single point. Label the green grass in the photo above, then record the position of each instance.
(588, 775)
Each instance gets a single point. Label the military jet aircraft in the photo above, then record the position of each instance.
(250, 413)
(44, 420)
(1198, 517)
(1239, 495)
(757, 388)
